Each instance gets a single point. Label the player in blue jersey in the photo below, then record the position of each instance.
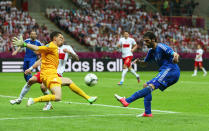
(168, 75)
(30, 56)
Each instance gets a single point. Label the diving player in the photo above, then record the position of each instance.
(50, 57)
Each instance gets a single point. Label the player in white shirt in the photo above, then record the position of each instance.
(198, 61)
(128, 46)
(64, 52)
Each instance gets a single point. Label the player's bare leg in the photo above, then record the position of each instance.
(68, 82)
(24, 90)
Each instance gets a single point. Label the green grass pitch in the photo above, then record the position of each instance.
(182, 107)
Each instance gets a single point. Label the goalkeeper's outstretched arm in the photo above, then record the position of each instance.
(20, 43)
(32, 47)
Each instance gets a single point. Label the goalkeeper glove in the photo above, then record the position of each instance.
(19, 42)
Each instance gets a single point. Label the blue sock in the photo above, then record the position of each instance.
(147, 103)
(139, 94)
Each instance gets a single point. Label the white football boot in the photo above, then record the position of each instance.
(15, 101)
(47, 107)
(30, 102)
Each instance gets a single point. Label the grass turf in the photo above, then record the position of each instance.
(189, 97)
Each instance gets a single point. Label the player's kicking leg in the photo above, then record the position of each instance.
(55, 88)
(77, 90)
(24, 90)
(146, 93)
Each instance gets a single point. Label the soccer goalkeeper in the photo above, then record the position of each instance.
(50, 60)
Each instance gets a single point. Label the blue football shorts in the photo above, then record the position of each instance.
(165, 78)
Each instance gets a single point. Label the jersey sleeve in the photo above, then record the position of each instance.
(167, 50)
(40, 44)
(26, 41)
(133, 42)
(120, 42)
(46, 48)
(148, 57)
(201, 52)
(71, 50)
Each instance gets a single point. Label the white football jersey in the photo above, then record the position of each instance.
(199, 52)
(63, 57)
(126, 46)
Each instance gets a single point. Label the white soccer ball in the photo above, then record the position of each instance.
(91, 79)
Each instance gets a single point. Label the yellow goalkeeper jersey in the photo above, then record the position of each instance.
(49, 58)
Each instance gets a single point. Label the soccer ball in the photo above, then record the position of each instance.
(91, 79)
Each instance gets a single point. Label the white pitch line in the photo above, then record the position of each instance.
(73, 116)
(9, 96)
(131, 108)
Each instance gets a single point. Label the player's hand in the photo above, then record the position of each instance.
(28, 71)
(175, 57)
(141, 63)
(18, 41)
(136, 61)
(66, 51)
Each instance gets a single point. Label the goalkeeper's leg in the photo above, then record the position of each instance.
(45, 91)
(68, 82)
(55, 96)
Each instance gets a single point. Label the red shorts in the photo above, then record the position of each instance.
(198, 63)
(127, 60)
(37, 75)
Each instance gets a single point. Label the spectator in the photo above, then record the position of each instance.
(107, 19)
(93, 42)
(14, 22)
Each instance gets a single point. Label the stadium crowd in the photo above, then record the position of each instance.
(175, 7)
(14, 22)
(100, 23)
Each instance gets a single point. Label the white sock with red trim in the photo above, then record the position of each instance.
(134, 72)
(203, 69)
(124, 74)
